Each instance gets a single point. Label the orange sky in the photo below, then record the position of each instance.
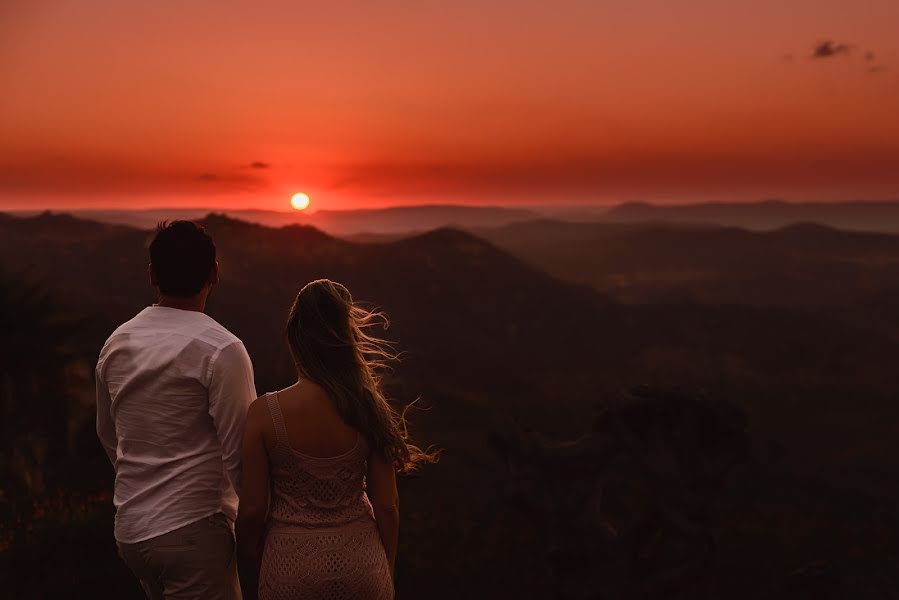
(373, 103)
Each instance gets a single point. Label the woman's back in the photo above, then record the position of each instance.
(322, 497)
(314, 427)
(322, 540)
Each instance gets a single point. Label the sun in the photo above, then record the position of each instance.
(299, 201)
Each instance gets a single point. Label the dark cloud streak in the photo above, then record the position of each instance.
(829, 48)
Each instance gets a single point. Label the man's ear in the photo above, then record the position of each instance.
(152, 275)
(214, 274)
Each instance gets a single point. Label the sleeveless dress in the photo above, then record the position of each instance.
(322, 542)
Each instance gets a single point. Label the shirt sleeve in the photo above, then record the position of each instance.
(231, 391)
(105, 425)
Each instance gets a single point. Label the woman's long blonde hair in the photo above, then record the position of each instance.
(326, 332)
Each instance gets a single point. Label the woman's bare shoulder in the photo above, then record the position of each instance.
(257, 414)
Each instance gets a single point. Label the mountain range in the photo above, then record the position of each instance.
(770, 214)
(394, 220)
(389, 223)
(542, 322)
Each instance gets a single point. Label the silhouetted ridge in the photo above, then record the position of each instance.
(55, 225)
(445, 235)
(392, 220)
(768, 214)
(807, 227)
(220, 222)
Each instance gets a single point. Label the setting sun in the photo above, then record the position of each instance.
(299, 201)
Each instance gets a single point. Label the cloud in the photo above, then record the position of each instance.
(829, 48)
(76, 175)
(258, 164)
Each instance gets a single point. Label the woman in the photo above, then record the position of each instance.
(328, 447)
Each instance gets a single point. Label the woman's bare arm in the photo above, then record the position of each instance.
(254, 499)
(385, 500)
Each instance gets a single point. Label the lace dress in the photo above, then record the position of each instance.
(322, 542)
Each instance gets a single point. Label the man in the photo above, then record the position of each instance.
(173, 389)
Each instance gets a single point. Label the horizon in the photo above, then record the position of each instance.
(524, 207)
(365, 107)
(533, 207)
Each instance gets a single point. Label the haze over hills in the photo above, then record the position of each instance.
(390, 223)
(400, 219)
(769, 214)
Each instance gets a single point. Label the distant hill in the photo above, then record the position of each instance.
(384, 221)
(803, 266)
(854, 215)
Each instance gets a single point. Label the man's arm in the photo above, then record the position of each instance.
(231, 391)
(254, 497)
(105, 425)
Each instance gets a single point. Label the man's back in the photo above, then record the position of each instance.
(173, 391)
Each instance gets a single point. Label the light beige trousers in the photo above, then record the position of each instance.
(194, 561)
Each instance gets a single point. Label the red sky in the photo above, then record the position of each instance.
(374, 103)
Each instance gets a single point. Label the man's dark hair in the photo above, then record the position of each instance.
(182, 255)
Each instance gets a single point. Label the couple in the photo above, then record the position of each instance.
(314, 464)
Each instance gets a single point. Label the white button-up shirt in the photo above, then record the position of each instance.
(173, 389)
